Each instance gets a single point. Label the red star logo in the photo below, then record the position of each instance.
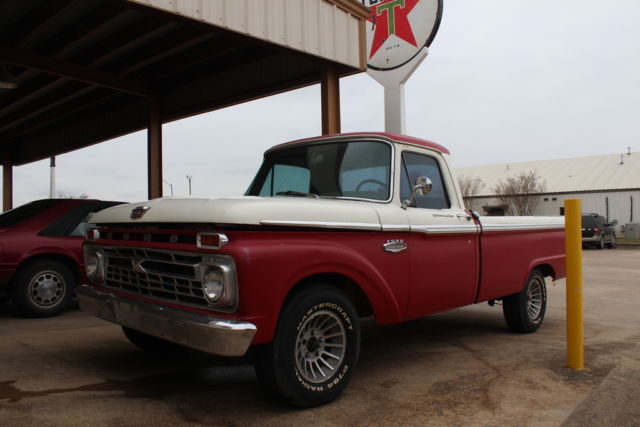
(391, 17)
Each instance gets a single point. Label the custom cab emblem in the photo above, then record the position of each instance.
(394, 246)
(139, 212)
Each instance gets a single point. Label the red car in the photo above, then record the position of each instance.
(41, 253)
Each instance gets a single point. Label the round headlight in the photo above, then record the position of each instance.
(213, 284)
(94, 265)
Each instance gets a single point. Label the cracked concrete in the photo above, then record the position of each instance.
(458, 368)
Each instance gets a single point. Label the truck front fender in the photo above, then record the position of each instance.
(268, 271)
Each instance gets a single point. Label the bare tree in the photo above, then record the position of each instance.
(520, 193)
(63, 195)
(470, 186)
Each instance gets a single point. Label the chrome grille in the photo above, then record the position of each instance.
(170, 276)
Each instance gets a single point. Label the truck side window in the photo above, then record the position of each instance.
(415, 165)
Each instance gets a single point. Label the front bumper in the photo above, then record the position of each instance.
(213, 335)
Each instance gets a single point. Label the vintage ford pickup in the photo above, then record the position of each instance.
(331, 230)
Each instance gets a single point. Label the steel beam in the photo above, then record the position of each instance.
(70, 70)
(330, 94)
(154, 150)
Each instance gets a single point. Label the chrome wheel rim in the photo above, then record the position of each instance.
(535, 296)
(320, 346)
(46, 289)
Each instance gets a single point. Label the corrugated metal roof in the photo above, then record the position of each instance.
(593, 173)
(326, 29)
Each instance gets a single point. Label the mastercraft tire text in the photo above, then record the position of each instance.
(315, 350)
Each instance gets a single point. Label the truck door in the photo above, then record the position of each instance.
(443, 244)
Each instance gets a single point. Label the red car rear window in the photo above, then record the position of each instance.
(21, 213)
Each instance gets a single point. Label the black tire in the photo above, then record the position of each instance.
(315, 349)
(151, 344)
(524, 311)
(601, 243)
(43, 288)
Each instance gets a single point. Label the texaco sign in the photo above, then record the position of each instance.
(398, 29)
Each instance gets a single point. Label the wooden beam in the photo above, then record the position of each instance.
(7, 185)
(70, 70)
(330, 94)
(154, 150)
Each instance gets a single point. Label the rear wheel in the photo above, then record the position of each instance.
(524, 311)
(612, 243)
(601, 243)
(43, 288)
(315, 348)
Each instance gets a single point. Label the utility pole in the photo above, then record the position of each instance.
(170, 186)
(52, 179)
(189, 179)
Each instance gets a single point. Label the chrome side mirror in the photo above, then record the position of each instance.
(422, 187)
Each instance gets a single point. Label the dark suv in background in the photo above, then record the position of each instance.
(596, 231)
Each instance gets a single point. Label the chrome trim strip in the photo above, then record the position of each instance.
(445, 229)
(396, 227)
(323, 224)
(224, 337)
(521, 227)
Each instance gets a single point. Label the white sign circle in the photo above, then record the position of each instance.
(398, 29)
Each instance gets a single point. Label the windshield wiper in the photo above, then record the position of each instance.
(296, 193)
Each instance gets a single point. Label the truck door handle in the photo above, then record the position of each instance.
(464, 215)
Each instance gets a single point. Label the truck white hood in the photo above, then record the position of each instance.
(294, 211)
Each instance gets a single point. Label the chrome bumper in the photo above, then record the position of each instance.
(213, 335)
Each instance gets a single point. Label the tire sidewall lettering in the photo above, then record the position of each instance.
(334, 380)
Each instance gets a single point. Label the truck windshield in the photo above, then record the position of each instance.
(354, 169)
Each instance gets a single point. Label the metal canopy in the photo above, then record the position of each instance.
(87, 70)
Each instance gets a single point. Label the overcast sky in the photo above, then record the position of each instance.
(505, 81)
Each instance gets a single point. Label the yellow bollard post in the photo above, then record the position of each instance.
(573, 247)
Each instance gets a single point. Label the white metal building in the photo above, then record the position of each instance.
(608, 185)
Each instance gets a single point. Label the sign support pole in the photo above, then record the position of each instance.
(393, 83)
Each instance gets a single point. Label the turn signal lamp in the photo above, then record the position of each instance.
(211, 240)
(92, 234)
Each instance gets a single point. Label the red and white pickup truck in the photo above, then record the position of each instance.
(331, 230)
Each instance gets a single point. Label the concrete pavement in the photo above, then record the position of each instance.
(459, 368)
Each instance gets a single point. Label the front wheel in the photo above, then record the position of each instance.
(315, 348)
(524, 311)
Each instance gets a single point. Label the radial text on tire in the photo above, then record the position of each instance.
(315, 348)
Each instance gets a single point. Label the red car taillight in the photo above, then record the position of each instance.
(596, 230)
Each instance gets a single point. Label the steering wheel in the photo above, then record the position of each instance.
(374, 181)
